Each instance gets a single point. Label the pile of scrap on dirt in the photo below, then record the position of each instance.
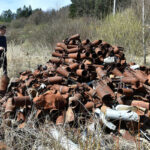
(83, 80)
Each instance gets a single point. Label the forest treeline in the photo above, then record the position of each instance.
(78, 8)
(98, 8)
(8, 15)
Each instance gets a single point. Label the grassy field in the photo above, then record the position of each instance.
(21, 58)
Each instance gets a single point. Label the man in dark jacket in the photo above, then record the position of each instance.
(3, 48)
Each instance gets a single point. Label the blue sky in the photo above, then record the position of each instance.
(44, 4)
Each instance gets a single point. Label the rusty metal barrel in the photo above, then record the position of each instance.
(4, 81)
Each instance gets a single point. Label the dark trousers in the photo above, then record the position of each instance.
(5, 65)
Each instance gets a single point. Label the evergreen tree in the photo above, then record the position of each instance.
(98, 8)
(7, 15)
(25, 12)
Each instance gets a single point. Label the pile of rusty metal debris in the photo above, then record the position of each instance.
(82, 81)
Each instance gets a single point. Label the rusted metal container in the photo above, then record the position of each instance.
(62, 45)
(109, 90)
(141, 104)
(123, 62)
(62, 71)
(9, 106)
(72, 46)
(62, 89)
(125, 91)
(102, 93)
(84, 42)
(22, 101)
(74, 55)
(31, 91)
(66, 96)
(55, 54)
(21, 117)
(60, 119)
(128, 73)
(141, 76)
(76, 36)
(71, 42)
(56, 60)
(81, 72)
(60, 101)
(87, 62)
(101, 58)
(69, 60)
(49, 100)
(82, 66)
(26, 72)
(36, 73)
(89, 105)
(148, 79)
(74, 101)
(91, 92)
(59, 49)
(96, 42)
(110, 53)
(30, 81)
(55, 79)
(104, 43)
(73, 66)
(115, 49)
(98, 51)
(116, 72)
(73, 50)
(100, 72)
(4, 81)
(84, 55)
(120, 55)
(130, 80)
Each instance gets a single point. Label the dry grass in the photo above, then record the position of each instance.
(25, 57)
(32, 138)
(123, 29)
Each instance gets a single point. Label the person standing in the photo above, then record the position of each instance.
(3, 48)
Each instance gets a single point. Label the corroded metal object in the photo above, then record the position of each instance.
(81, 82)
(4, 81)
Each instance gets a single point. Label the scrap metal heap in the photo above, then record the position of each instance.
(83, 80)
